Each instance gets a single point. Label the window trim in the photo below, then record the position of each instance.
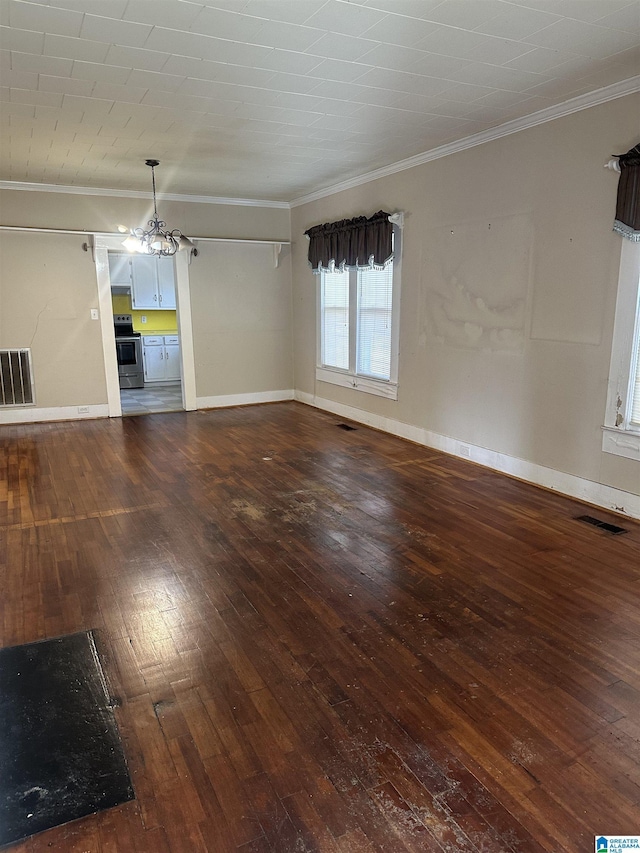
(619, 436)
(350, 379)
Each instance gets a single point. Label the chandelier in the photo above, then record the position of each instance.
(157, 240)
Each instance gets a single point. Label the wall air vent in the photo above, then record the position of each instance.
(16, 378)
(603, 525)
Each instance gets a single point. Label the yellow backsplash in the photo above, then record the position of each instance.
(157, 321)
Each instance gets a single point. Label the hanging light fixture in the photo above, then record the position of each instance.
(157, 240)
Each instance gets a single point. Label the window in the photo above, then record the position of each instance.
(621, 432)
(358, 328)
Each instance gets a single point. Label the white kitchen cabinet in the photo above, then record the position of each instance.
(144, 289)
(153, 284)
(166, 284)
(172, 357)
(120, 269)
(153, 358)
(161, 358)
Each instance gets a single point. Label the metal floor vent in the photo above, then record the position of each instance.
(347, 427)
(16, 377)
(603, 525)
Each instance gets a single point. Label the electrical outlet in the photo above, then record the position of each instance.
(83, 410)
(143, 319)
(94, 314)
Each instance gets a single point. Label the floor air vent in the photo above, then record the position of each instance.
(346, 426)
(16, 379)
(603, 525)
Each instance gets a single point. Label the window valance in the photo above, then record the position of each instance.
(627, 220)
(351, 243)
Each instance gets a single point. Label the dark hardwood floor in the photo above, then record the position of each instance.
(328, 640)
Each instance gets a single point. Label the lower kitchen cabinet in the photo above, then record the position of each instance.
(172, 359)
(161, 358)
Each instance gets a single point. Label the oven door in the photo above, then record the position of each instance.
(130, 369)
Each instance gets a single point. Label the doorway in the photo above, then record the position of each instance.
(150, 298)
(143, 296)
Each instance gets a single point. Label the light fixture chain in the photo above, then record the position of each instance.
(153, 181)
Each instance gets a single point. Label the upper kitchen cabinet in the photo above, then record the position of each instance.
(166, 284)
(120, 270)
(153, 283)
(144, 289)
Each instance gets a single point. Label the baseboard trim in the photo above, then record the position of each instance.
(225, 400)
(557, 481)
(54, 413)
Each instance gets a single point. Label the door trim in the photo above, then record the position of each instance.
(103, 243)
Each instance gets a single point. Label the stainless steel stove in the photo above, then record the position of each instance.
(129, 352)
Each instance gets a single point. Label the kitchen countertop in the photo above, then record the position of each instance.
(156, 332)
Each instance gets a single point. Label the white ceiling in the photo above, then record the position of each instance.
(274, 99)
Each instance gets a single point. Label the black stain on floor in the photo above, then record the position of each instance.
(61, 757)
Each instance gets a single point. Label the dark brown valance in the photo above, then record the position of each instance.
(358, 242)
(627, 220)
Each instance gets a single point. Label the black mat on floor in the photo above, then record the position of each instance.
(60, 752)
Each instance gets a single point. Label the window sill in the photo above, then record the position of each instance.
(621, 442)
(379, 387)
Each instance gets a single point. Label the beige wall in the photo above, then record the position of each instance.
(508, 292)
(47, 290)
(103, 213)
(241, 309)
(241, 305)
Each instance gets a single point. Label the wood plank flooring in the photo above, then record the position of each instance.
(328, 641)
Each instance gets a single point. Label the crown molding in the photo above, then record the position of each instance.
(574, 105)
(103, 191)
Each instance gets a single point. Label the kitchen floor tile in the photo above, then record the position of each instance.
(143, 401)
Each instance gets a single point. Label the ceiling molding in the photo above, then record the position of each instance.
(103, 191)
(582, 102)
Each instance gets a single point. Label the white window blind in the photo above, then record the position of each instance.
(375, 302)
(635, 381)
(335, 319)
